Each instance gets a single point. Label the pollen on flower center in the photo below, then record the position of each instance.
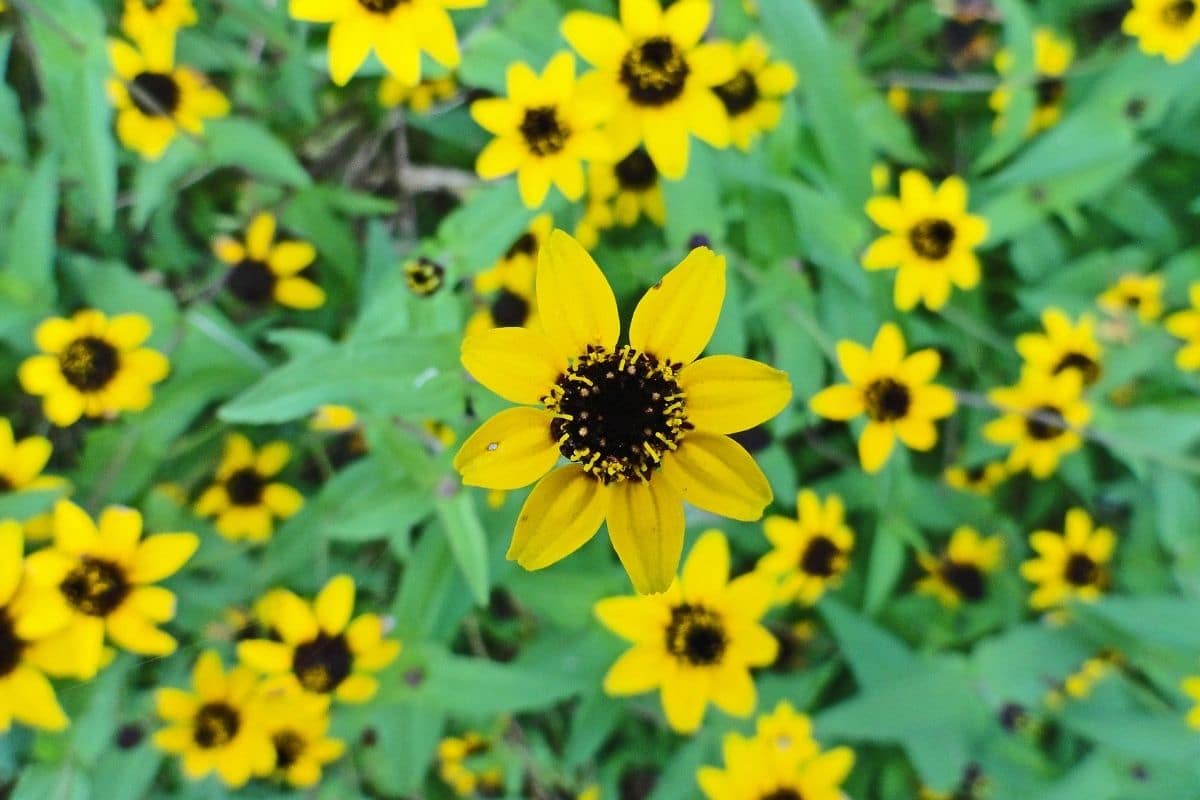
(289, 746)
(820, 557)
(545, 134)
(887, 400)
(1050, 92)
(215, 725)
(1081, 570)
(1087, 367)
(251, 281)
(89, 363)
(739, 94)
(11, 645)
(155, 94)
(1179, 13)
(932, 238)
(966, 579)
(245, 487)
(380, 6)
(322, 664)
(636, 171)
(654, 71)
(696, 635)
(1045, 422)
(95, 587)
(615, 414)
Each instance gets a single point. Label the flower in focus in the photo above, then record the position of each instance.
(544, 130)
(893, 390)
(322, 650)
(1052, 56)
(1072, 565)
(219, 727)
(1064, 347)
(397, 30)
(100, 579)
(92, 365)
(959, 575)
(633, 185)
(752, 97)
(644, 425)
(1170, 28)
(930, 238)
(811, 553)
(144, 19)
(696, 642)
(262, 269)
(978, 478)
(420, 98)
(659, 76)
(1042, 417)
(243, 498)
(155, 99)
(21, 465)
(298, 727)
(1133, 293)
(424, 277)
(468, 765)
(1186, 325)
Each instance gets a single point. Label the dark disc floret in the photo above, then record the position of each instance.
(424, 276)
(526, 244)
(245, 487)
(636, 171)
(1081, 570)
(739, 94)
(89, 363)
(289, 746)
(654, 72)
(932, 238)
(509, 309)
(11, 645)
(251, 281)
(155, 94)
(1179, 13)
(215, 725)
(544, 131)
(1050, 92)
(967, 580)
(1087, 367)
(786, 793)
(887, 400)
(820, 557)
(323, 663)
(380, 6)
(95, 587)
(1044, 423)
(696, 635)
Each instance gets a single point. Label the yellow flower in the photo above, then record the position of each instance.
(298, 727)
(979, 478)
(899, 99)
(1186, 325)
(893, 390)
(1134, 293)
(338, 419)
(930, 239)
(92, 364)
(419, 98)
(243, 498)
(1191, 687)
(652, 67)
(1071, 565)
(597, 216)
(544, 129)
(97, 580)
(1043, 415)
(264, 269)
(154, 98)
(25, 693)
(1052, 57)
(960, 573)
(322, 651)
(881, 177)
(440, 431)
(424, 277)
(397, 30)
(1170, 28)
(148, 18)
(1079, 684)
(21, 465)
(1064, 347)
(633, 185)
(811, 553)
(697, 641)
(643, 424)
(787, 733)
(219, 727)
(465, 764)
(752, 97)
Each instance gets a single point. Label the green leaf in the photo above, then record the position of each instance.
(238, 142)
(467, 541)
(32, 240)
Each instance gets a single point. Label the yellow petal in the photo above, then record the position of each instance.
(357, 688)
(272, 458)
(283, 500)
(875, 445)
(33, 701)
(645, 524)
(576, 305)
(270, 658)
(598, 39)
(519, 364)
(512, 449)
(676, 317)
(637, 670)
(335, 604)
(562, 512)
(684, 699)
(349, 44)
(734, 692)
(839, 402)
(714, 473)
(637, 619)
(12, 544)
(162, 555)
(707, 568)
(726, 394)
(131, 631)
(74, 531)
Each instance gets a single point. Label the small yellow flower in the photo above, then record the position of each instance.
(1186, 325)
(263, 269)
(338, 419)
(634, 187)
(960, 574)
(509, 282)
(1191, 687)
(21, 465)
(298, 727)
(1064, 347)
(424, 277)
(144, 19)
(696, 642)
(243, 498)
(322, 650)
(1133, 293)
(811, 553)
(420, 98)
(467, 764)
(899, 99)
(1079, 684)
(786, 733)
(658, 76)
(1170, 28)
(155, 99)
(219, 727)
(893, 390)
(979, 478)
(1042, 419)
(753, 96)
(397, 30)
(930, 239)
(1052, 56)
(98, 580)
(1069, 566)
(92, 364)
(544, 131)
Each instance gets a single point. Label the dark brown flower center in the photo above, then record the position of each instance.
(527, 245)
(95, 587)
(1087, 367)
(251, 281)
(155, 94)
(11, 646)
(1050, 92)
(322, 664)
(380, 6)
(654, 72)
(820, 557)
(696, 635)
(89, 363)
(739, 94)
(932, 238)
(976, 474)
(967, 580)
(289, 746)
(215, 725)
(1044, 423)
(887, 400)
(615, 414)
(1179, 13)
(509, 309)
(545, 134)
(245, 487)
(636, 171)
(784, 794)
(1081, 570)
(423, 277)
(6, 485)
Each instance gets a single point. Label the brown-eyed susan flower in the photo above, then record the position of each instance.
(893, 390)
(659, 77)
(930, 239)
(141, 19)
(1064, 347)
(1052, 56)
(633, 186)
(1042, 417)
(419, 99)
(1191, 687)
(155, 99)
(297, 724)
(322, 650)
(93, 365)
(98, 581)
(810, 553)
(244, 498)
(469, 765)
(26, 695)
(544, 130)
(515, 269)
(1170, 28)
(980, 478)
(263, 268)
(21, 465)
(1073, 565)
(1134, 294)
(219, 726)
(787, 733)
(398, 31)
(424, 277)
(753, 96)
(1185, 325)
(644, 425)
(960, 573)
(696, 642)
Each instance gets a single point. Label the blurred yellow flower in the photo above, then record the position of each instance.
(335, 418)
(1185, 325)
(420, 98)
(424, 277)
(1042, 419)
(1191, 687)
(1170, 28)
(960, 574)
(753, 96)
(1072, 565)
(634, 187)
(1052, 56)
(298, 726)
(811, 553)
(264, 268)
(21, 465)
(978, 478)
(147, 18)
(469, 766)
(243, 498)
(1137, 294)
(1064, 347)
